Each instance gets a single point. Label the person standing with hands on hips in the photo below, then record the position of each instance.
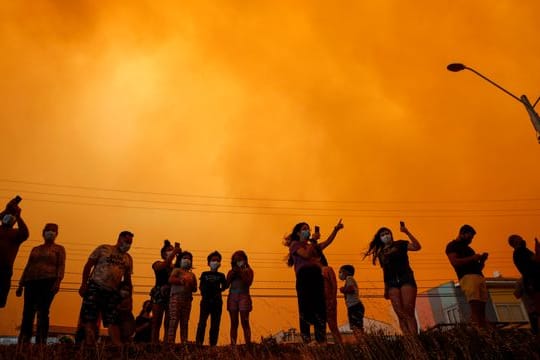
(41, 280)
(108, 267)
(468, 266)
(10, 241)
(399, 283)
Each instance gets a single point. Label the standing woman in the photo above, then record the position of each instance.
(239, 279)
(330, 281)
(161, 290)
(41, 280)
(399, 284)
(309, 282)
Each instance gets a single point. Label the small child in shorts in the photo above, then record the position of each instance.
(355, 308)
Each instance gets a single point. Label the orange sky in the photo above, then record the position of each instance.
(264, 115)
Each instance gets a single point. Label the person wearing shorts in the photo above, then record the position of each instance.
(108, 267)
(468, 266)
(355, 308)
(399, 283)
(239, 280)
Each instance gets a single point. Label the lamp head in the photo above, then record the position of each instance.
(455, 67)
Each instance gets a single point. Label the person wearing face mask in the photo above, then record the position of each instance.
(10, 240)
(306, 258)
(468, 266)
(41, 280)
(160, 293)
(183, 285)
(399, 283)
(108, 267)
(239, 280)
(212, 284)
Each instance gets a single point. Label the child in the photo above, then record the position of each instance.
(143, 324)
(355, 308)
(126, 321)
(212, 284)
(183, 285)
(239, 278)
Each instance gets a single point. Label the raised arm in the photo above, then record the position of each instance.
(414, 244)
(332, 235)
(23, 232)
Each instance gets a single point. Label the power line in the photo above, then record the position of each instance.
(266, 199)
(262, 207)
(336, 215)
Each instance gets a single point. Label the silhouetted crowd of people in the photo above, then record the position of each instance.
(107, 289)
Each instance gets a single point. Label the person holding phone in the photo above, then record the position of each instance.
(468, 266)
(239, 280)
(160, 292)
(10, 240)
(330, 280)
(305, 255)
(399, 283)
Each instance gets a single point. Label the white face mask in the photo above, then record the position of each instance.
(240, 263)
(8, 219)
(386, 239)
(185, 263)
(214, 265)
(49, 235)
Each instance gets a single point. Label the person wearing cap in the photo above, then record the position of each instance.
(468, 266)
(41, 280)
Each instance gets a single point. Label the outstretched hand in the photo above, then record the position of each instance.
(339, 225)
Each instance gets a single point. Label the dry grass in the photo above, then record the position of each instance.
(457, 343)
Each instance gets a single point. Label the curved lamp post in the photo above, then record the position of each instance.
(535, 119)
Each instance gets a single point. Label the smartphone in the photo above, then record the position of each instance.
(317, 229)
(176, 244)
(401, 223)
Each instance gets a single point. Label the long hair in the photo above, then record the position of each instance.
(292, 237)
(376, 245)
(239, 253)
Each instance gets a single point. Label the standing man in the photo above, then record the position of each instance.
(41, 280)
(528, 265)
(10, 240)
(107, 268)
(468, 266)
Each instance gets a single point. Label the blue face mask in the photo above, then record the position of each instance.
(304, 234)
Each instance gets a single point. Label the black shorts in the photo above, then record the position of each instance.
(98, 301)
(398, 280)
(355, 314)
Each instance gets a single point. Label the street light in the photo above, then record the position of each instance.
(535, 119)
